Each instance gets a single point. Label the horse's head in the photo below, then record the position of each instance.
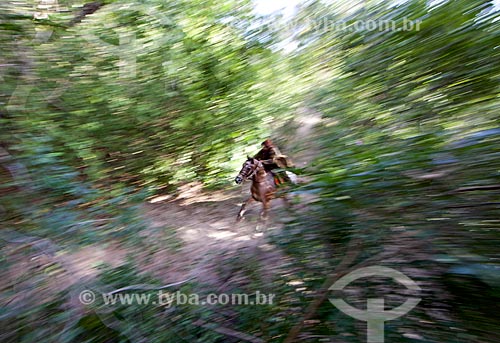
(248, 170)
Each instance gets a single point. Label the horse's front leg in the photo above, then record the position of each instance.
(243, 209)
(265, 210)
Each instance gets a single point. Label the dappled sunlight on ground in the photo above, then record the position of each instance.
(209, 228)
(192, 193)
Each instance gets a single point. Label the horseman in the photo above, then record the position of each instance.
(272, 159)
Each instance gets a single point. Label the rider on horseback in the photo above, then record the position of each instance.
(272, 159)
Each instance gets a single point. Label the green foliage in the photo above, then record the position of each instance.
(408, 149)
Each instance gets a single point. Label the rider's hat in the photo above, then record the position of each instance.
(267, 143)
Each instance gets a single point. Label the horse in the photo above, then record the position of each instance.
(263, 186)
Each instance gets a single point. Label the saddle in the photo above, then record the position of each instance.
(280, 178)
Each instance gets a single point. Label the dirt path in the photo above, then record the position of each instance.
(207, 235)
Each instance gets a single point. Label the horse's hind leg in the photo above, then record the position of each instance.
(243, 209)
(286, 201)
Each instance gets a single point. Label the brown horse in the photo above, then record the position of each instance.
(263, 187)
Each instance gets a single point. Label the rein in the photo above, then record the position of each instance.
(257, 166)
(253, 172)
(255, 169)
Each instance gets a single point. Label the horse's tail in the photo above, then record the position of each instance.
(292, 177)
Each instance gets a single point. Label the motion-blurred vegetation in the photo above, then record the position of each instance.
(104, 104)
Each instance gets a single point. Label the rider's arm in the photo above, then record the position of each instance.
(258, 156)
(270, 154)
(271, 161)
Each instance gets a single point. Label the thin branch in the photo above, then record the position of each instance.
(45, 245)
(87, 9)
(144, 287)
(474, 205)
(95, 221)
(351, 255)
(228, 332)
(475, 188)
